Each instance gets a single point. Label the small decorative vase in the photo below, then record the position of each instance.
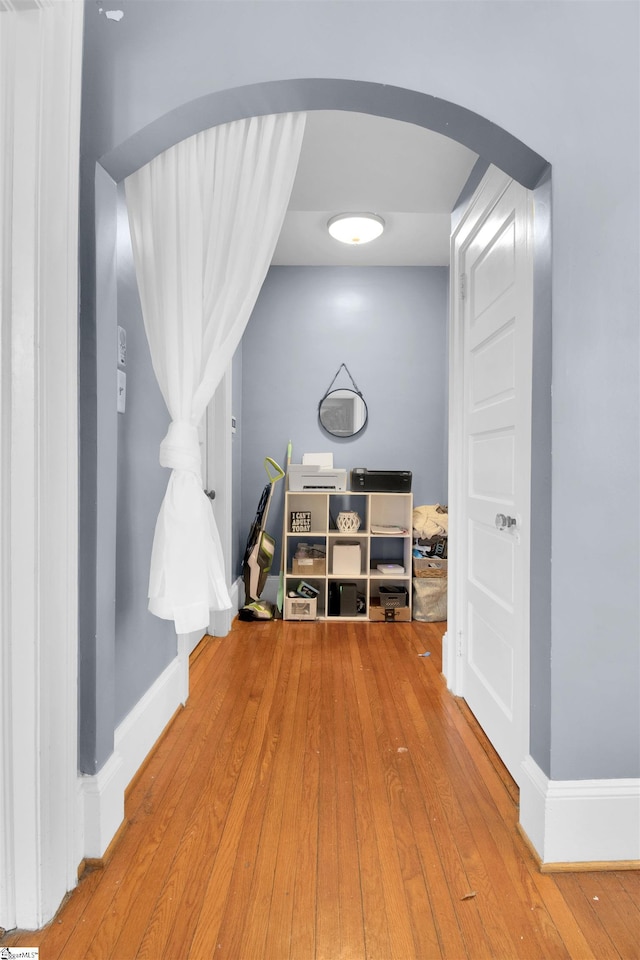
(348, 521)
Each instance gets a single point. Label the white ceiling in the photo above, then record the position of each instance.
(353, 162)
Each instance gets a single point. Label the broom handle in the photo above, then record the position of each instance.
(283, 549)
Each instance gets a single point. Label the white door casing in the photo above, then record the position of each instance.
(217, 478)
(491, 363)
(215, 448)
(40, 84)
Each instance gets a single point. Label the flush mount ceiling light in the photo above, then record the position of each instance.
(355, 228)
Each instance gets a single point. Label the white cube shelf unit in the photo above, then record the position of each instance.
(384, 537)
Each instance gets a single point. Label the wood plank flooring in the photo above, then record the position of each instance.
(324, 797)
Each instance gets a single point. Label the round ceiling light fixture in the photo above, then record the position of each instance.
(355, 228)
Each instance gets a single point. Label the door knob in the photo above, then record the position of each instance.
(211, 494)
(503, 522)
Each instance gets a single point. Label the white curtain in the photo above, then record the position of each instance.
(205, 217)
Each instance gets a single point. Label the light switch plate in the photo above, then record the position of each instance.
(122, 346)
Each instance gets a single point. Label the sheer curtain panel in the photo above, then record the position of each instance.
(205, 217)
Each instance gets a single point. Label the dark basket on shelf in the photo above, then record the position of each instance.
(393, 597)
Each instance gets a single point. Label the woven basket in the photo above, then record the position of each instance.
(429, 567)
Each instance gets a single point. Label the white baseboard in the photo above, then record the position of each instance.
(447, 662)
(580, 821)
(101, 808)
(101, 797)
(221, 620)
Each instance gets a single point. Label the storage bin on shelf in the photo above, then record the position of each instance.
(430, 599)
(429, 589)
(424, 567)
(309, 567)
(378, 612)
(347, 560)
(309, 560)
(300, 608)
(430, 533)
(392, 597)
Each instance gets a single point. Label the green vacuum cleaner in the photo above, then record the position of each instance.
(259, 552)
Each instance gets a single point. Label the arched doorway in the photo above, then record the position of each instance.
(489, 141)
(493, 144)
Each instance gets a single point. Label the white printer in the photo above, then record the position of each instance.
(316, 472)
(311, 477)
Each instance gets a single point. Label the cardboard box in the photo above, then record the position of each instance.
(388, 615)
(308, 567)
(346, 560)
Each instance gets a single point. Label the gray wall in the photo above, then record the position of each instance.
(562, 79)
(388, 325)
(144, 644)
(123, 649)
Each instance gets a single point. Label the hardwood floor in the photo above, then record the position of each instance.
(323, 795)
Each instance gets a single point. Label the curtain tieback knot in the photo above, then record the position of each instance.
(180, 449)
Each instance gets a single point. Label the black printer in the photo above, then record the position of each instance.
(380, 481)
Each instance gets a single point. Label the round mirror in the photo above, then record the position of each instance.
(343, 413)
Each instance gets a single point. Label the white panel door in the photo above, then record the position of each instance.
(494, 260)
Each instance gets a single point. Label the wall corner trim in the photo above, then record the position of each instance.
(40, 105)
(101, 797)
(221, 620)
(580, 821)
(102, 808)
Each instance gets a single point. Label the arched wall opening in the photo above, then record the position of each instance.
(494, 146)
(489, 141)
